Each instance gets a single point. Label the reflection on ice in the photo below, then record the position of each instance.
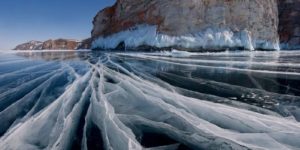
(95, 100)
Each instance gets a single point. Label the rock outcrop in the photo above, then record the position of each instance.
(189, 24)
(85, 44)
(61, 44)
(58, 44)
(31, 45)
(289, 24)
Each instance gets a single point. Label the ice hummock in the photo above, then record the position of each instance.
(207, 39)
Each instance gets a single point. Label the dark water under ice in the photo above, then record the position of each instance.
(164, 100)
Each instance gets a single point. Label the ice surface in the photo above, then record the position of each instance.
(206, 39)
(175, 53)
(156, 101)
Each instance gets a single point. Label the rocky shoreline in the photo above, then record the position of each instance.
(201, 25)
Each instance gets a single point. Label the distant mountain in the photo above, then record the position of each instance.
(57, 44)
(31, 45)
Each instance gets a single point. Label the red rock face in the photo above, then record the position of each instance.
(177, 17)
(289, 23)
(117, 18)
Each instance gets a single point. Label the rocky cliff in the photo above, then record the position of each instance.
(289, 25)
(191, 25)
(58, 44)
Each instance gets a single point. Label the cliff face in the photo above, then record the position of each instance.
(58, 44)
(192, 24)
(289, 25)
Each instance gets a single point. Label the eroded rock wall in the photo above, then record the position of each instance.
(257, 18)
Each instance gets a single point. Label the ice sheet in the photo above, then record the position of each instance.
(153, 101)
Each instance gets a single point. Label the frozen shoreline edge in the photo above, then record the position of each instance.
(145, 37)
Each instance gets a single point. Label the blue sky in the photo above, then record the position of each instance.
(24, 20)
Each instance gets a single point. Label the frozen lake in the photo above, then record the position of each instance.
(163, 100)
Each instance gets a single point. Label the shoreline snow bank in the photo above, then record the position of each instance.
(206, 39)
